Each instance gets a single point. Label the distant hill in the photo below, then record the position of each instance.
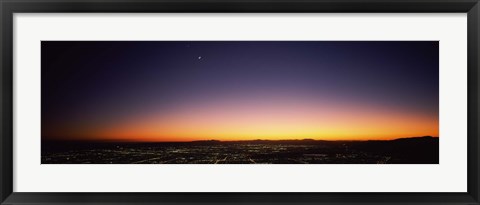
(308, 140)
(414, 150)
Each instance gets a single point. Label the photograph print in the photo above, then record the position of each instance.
(239, 102)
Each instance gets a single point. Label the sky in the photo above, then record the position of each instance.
(239, 90)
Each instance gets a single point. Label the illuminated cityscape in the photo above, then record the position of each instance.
(240, 102)
(414, 150)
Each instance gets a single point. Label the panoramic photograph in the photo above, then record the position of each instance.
(239, 102)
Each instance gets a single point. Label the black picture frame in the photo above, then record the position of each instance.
(9, 7)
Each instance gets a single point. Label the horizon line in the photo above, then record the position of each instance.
(215, 140)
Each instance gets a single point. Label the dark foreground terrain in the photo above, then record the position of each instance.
(418, 150)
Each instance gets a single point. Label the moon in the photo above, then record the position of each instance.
(199, 57)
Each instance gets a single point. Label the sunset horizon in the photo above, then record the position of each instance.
(241, 140)
(240, 91)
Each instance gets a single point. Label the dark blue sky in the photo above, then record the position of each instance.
(90, 85)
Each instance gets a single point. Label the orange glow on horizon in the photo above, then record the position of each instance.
(267, 118)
